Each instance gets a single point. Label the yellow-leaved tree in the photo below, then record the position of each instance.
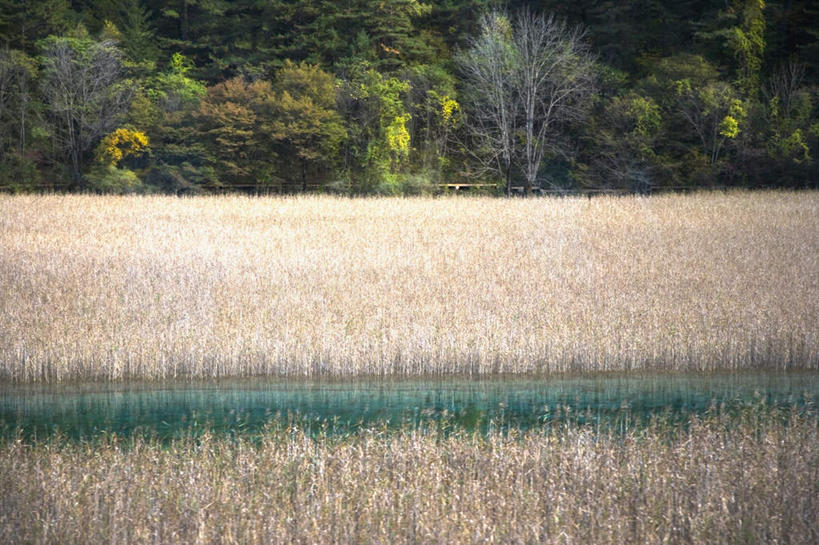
(118, 145)
(106, 176)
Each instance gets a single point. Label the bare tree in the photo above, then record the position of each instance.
(783, 95)
(84, 94)
(488, 67)
(7, 75)
(525, 82)
(785, 83)
(555, 76)
(17, 70)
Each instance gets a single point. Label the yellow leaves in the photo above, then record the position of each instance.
(729, 127)
(646, 115)
(398, 137)
(449, 110)
(120, 144)
(682, 86)
(111, 32)
(794, 147)
(180, 64)
(391, 50)
(736, 109)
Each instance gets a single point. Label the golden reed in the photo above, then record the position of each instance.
(161, 287)
(753, 479)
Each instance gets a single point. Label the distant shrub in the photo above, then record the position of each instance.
(341, 186)
(19, 173)
(113, 180)
(181, 179)
(407, 184)
(418, 184)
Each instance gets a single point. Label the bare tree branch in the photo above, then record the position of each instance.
(84, 92)
(487, 68)
(524, 83)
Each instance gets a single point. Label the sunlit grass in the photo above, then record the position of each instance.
(747, 479)
(161, 287)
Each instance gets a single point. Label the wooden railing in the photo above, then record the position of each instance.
(453, 187)
(519, 189)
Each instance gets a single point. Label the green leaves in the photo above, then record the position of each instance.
(174, 89)
(373, 107)
(251, 126)
(364, 91)
(305, 124)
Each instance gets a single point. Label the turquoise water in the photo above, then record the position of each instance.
(245, 406)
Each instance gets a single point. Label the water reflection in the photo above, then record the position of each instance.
(240, 406)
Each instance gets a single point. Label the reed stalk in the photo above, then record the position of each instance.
(160, 288)
(747, 479)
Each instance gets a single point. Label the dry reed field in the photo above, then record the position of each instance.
(747, 479)
(162, 287)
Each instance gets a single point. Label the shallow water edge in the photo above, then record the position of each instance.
(241, 406)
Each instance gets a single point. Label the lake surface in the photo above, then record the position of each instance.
(246, 406)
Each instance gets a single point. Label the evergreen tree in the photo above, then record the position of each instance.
(139, 36)
(24, 22)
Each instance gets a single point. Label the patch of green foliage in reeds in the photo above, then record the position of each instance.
(161, 287)
(741, 478)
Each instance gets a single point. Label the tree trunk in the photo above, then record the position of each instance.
(508, 178)
(184, 21)
(304, 176)
(24, 100)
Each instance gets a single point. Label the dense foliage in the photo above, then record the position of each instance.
(385, 96)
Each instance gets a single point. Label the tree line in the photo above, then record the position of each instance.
(400, 96)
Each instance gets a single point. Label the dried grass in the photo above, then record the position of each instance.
(754, 479)
(161, 287)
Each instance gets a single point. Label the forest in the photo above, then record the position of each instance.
(397, 97)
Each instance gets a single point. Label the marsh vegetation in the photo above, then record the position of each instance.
(160, 287)
(127, 290)
(718, 479)
(126, 323)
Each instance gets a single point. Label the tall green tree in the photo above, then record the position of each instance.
(747, 42)
(133, 19)
(395, 39)
(164, 109)
(24, 22)
(377, 148)
(625, 137)
(18, 105)
(305, 124)
(435, 111)
(18, 73)
(792, 34)
(234, 120)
